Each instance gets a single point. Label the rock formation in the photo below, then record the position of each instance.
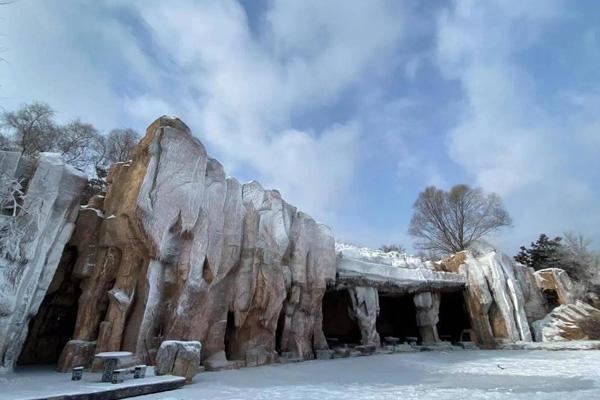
(576, 321)
(391, 272)
(556, 284)
(184, 253)
(39, 204)
(365, 309)
(176, 252)
(535, 304)
(428, 308)
(178, 358)
(495, 296)
(368, 274)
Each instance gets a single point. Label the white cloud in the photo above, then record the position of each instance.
(250, 90)
(507, 138)
(70, 55)
(239, 90)
(251, 85)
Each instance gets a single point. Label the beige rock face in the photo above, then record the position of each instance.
(577, 321)
(38, 209)
(184, 253)
(558, 281)
(494, 295)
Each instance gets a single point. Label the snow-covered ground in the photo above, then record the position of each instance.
(501, 374)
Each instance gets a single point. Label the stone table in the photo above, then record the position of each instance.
(111, 359)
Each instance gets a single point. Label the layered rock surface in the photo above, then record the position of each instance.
(365, 309)
(40, 201)
(184, 253)
(558, 281)
(576, 321)
(391, 272)
(499, 294)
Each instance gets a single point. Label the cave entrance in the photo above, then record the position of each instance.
(339, 326)
(279, 330)
(52, 327)
(453, 317)
(229, 333)
(551, 297)
(397, 317)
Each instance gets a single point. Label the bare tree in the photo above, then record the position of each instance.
(80, 144)
(33, 128)
(34, 131)
(447, 222)
(119, 144)
(579, 261)
(12, 197)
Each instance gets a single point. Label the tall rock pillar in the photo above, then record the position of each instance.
(40, 200)
(365, 307)
(428, 308)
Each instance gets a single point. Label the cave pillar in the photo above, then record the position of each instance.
(428, 308)
(365, 308)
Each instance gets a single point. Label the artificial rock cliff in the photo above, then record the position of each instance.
(40, 200)
(180, 256)
(501, 295)
(179, 251)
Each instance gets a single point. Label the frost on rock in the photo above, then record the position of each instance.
(365, 309)
(391, 258)
(496, 298)
(39, 204)
(392, 272)
(578, 321)
(188, 254)
(558, 282)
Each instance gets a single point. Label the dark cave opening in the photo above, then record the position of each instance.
(279, 330)
(453, 317)
(339, 326)
(397, 317)
(53, 325)
(229, 333)
(551, 297)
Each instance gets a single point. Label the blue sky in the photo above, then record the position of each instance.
(349, 108)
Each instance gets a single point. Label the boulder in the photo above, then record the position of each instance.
(178, 358)
(76, 353)
(578, 321)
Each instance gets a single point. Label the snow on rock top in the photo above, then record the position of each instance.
(392, 258)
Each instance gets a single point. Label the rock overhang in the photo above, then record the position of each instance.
(391, 272)
(395, 279)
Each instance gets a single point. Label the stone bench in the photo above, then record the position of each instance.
(110, 360)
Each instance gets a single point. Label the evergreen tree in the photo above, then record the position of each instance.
(544, 253)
